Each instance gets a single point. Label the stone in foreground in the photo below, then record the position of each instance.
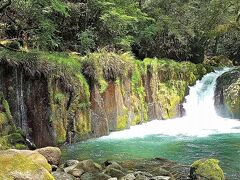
(27, 165)
(206, 169)
(52, 154)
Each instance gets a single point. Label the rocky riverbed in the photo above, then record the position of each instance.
(45, 164)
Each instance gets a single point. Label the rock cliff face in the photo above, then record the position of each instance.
(63, 98)
(227, 94)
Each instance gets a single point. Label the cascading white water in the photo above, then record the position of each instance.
(200, 119)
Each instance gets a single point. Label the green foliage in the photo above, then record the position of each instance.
(13, 140)
(122, 20)
(32, 22)
(59, 97)
(87, 41)
(180, 30)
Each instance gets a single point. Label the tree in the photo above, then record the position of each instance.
(31, 21)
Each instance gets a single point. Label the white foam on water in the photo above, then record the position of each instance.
(200, 120)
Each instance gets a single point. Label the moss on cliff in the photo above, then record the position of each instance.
(170, 82)
(122, 122)
(71, 79)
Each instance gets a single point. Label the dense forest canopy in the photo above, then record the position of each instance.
(176, 29)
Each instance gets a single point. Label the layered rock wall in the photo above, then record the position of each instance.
(52, 103)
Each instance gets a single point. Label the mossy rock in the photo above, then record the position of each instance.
(227, 94)
(208, 169)
(24, 164)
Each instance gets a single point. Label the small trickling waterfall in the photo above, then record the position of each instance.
(21, 109)
(200, 119)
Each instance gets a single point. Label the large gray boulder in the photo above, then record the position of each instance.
(227, 94)
(52, 154)
(89, 166)
(60, 175)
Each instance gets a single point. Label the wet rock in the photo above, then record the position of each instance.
(88, 176)
(52, 154)
(160, 172)
(114, 172)
(70, 168)
(141, 177)
(89, 166)
(70, 163)
(146, 174)
(24, 164)
(60, 175)
(161, 178)
(176, 171)
(102, 176)
(113, 164)
(76, 172)
(206, 169)
(128, 177)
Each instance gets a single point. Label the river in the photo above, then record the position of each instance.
(199, 134)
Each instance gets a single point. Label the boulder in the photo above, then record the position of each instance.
(102, 176)
(113, 164)
(70, 163)
(114, 172)
(161, 178)
(60, 175)
(76, 172)
(141, 177)
(227, 94)
(160, 172)
(24, 164)
(52, 154)
(129, 177)
(206, 169)
(69, 168)
(89, 166)
(95, 176)
(88, 176)
(146, 174)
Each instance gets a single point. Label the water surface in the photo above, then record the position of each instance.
(201, 133)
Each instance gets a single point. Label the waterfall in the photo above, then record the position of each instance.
(200, 120)
(21, 109)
